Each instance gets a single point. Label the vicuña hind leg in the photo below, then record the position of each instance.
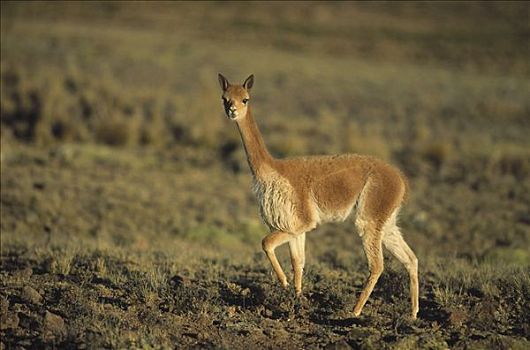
(394, 242)
(372, 239)
(269, 244)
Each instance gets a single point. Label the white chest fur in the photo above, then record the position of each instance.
(277, 202)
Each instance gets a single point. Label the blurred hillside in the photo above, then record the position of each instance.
(440, 90)
(122, 183)
(141, 74)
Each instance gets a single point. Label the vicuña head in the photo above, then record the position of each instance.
(236, 97)
(295, 195)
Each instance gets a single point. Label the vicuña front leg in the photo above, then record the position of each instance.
(374, 254)
(297, 249)
(269, 244)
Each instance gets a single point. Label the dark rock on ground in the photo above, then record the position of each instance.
(53, 323)
(30, 295)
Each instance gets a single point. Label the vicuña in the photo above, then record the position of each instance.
(295, 195)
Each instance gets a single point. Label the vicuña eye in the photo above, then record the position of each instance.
(245, 100)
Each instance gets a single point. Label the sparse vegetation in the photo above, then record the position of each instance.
(127, 218)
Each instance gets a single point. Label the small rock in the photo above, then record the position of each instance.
(30, 295)
(53, 323)
(179, 280)
(39, 185)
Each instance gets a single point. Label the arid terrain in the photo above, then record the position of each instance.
(127, 213)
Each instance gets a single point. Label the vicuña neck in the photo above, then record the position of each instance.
(257, 153)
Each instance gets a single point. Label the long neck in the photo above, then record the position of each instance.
(257, 153)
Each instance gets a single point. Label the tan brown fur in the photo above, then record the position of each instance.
(295, 195)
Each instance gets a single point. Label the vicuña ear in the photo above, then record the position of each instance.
(249, 82)
(223, 82)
